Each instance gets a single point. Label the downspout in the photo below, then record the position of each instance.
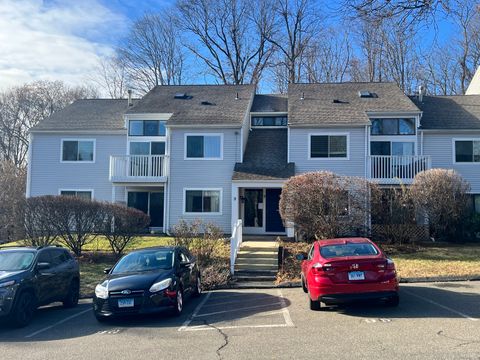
(167, 185)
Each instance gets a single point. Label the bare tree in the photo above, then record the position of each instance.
(111, 77)
(151, 54)
(328, 58)
(23, 107)
(442, 71)
(297, 22)
(12, 196)
(229, 37)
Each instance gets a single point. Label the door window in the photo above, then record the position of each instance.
(253, 208)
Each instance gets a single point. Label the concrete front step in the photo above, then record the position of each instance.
(258, 278)
(256, 267)
(265, 284)
(256, 253)
(273, 261)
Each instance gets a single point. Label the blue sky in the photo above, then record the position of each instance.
(65, 39)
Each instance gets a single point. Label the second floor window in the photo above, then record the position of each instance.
(328, 146)
(78, 150)
(203, 147)
(393, 127)
(269, 121)
(467, 151)
(146, 128)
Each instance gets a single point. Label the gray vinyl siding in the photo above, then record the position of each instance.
(202, 174)
(440, 148)
(299, 152)
(48, 174)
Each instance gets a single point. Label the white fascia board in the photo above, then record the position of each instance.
(80, 132)
(148, 116)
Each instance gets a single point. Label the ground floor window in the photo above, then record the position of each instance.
(475, 203)
(150, 202)
(202, 201)
(83, 194)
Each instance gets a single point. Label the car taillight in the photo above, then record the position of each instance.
(317, 268)
(390, 264)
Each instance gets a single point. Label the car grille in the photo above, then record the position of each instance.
(134, 293)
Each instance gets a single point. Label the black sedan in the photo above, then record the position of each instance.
(147, 281)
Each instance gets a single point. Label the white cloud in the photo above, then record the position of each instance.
(54, 40)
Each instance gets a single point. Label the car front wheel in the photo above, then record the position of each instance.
(178, 303)
(198, 287)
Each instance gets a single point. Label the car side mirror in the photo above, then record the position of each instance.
(107, 270)
(43, 266)
(300, 257)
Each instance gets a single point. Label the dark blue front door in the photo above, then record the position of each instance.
(273, 221)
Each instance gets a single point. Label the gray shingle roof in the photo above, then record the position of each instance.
(450, 112)
(265, 157)
(223, 107)
(318, 107)
(270, 103)
(87, 114)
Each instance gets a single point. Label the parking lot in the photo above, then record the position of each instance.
(433, 321)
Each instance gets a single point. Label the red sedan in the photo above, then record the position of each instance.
(339, 271)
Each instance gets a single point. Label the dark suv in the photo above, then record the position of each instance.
(31, 277)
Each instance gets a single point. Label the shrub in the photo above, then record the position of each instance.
(39, 228)
(121, 225)
(12, 201)
(443, 196)
(325, 205)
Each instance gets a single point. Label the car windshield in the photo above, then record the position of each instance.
(348, 249)
(16, 260)
(145, 261)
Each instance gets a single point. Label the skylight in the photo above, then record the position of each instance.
(366, 94)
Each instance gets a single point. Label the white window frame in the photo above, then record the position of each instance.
(145, 136)
(185, 136)
(454, 155)
(78, 161)
(70, 189)
(147, 139)
(184, 205)
(347, 134)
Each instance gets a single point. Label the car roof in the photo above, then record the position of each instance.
(29, 248)
(158, 248)
(341, 241)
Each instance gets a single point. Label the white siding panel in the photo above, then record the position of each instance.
(354, 166)
(440, 148)
(202, 174)
(48, 174)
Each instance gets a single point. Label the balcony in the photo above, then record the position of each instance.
(138, 169)
(396, 169)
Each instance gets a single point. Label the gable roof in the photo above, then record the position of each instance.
(265, 157)
(449, 112)
(270, 103)
(318, 107)
(202, 104)
(87, 114)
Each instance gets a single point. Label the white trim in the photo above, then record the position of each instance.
(148, 116)
(78, 161)
(145, 136)
(203, 126)
(393, 114)
(347, 134)
(259, 183)
(202, 134)
(288, 144)
(92, 191)
(29, 165)
(474, 163)
(184, 203)
(80, 132)
(268, 113)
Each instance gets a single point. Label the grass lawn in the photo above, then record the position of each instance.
(422, 262)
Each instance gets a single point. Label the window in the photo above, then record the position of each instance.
(328, 146)
(146, 128)
(347, 250)
(393, 127)
(388, 148)
(83, 194)
(203, 147)
(474, 203)
(467, 151)
(269, 120)
(202, 201)
(147, 148)
(78, 150)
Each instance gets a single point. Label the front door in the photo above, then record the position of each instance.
(273, 221)
(150, 203)
(253, 210)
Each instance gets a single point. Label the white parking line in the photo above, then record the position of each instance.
(206, 327)
(195, 312)
(286, 313)
(58, 323)
(440, 305)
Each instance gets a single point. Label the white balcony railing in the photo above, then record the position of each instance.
(138, 168)
(397, 169)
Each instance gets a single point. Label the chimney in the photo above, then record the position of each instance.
(421, 92)
(130, 103)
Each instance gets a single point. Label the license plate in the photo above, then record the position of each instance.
(356, 275)
(123, 303)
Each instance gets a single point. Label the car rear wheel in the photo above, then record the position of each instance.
(178, 303)
(393, 301)
(304, 287)
(314, 304)
(24, 310)
(198, 287)
(71, 300)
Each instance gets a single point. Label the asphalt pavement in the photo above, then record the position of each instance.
(433, 321)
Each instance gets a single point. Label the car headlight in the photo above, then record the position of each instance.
(101, 291)
(7, 283)
(161, 285)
